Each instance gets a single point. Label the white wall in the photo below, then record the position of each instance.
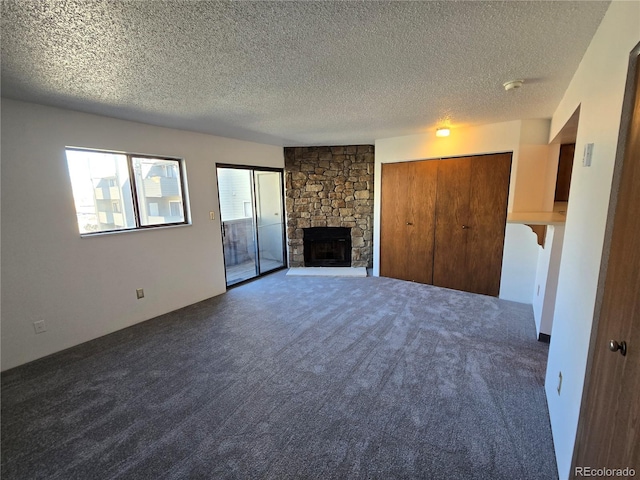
(519, 262)
(598, 88)
(546, 283)
(529, 188)
(85, 287)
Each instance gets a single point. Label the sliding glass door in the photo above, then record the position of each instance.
(252, 221)
(270, 225)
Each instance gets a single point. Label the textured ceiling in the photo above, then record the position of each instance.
(296, 72)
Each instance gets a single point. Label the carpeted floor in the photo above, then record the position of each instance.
(293, 377)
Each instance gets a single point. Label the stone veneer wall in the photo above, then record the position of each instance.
(330, 187)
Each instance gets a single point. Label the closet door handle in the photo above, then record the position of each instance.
(615, 346)
(465, 227)
(409, 223)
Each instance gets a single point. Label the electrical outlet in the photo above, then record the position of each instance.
(559, 382)
(212, 215)
(39, 326)
(139, 293)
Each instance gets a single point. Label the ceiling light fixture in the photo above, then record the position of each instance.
(512, 85)
(442, 132)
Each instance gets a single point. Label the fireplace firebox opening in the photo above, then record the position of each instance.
(327, 247)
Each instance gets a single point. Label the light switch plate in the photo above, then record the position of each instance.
(588, 153)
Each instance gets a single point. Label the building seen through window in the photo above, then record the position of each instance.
(108, 198)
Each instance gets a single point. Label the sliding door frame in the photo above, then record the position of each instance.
(254, 211)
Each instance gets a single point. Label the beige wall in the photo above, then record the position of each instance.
(85, 287)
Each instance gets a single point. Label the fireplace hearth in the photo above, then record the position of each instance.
(327, 247)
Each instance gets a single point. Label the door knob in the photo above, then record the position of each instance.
(409, 223)
(465, 227)
(615, 346)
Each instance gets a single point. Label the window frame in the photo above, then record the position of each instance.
(181, 177)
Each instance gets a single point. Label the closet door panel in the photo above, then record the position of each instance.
(452, 217)
(408, 197)
(443, 221)
(488, 197)
(392, 258)
(421, 230)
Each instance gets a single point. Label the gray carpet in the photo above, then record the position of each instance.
(293, 377)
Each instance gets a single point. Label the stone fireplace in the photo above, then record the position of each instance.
(329, 187)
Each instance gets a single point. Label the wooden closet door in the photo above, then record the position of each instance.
(408, 196)
(488, 197)
(452, 218)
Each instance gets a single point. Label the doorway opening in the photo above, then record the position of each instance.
(251, 211)
(563, 177)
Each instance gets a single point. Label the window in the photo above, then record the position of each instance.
(176, 208)
(117, 191)
(248, 211)
(153, 209)
(170, 171)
